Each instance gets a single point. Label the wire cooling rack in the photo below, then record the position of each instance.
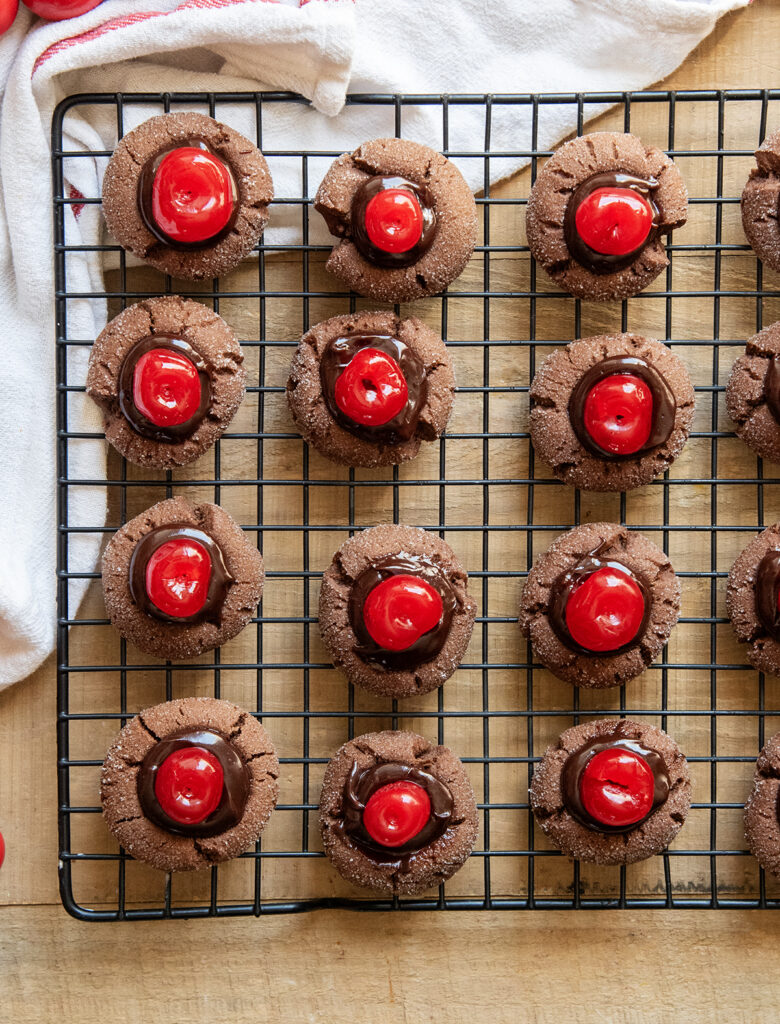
(480, 488)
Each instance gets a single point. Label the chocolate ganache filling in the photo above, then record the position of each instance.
(772, 387)
(575, 765)
(426, 647)
(767, 593)
(565, 584)
(664, 404)
(363, 243)
(144, 196)
(359, 788)
(141, 425)
(598, 262)
(235, 788)
(337, 357)
(220, 579)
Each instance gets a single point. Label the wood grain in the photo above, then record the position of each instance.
(467, 966)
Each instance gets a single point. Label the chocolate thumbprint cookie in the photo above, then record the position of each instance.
(599, 605)
(599, 212)
(181, 579)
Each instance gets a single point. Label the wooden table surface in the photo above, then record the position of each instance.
(449, 967)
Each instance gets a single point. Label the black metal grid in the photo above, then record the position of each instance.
(685, 876)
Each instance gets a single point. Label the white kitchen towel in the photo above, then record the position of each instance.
(320, 48)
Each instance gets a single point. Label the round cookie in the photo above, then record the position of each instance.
(753, 394)
(235, 584)
(447, 221)
(419, 355)
(365, 765)
(370, 560)
(752, 600)
(561, 808)
(609, 160)
(191, 331)
(133, 770)
(132, 225)
(571, 562)
(762, 824)
(559, 398)
(760, 202)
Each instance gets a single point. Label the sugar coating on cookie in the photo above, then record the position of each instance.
(243, 574)
(761, 202)
(136, 154)
(124, 814)
(206, 338)
(762, 825)
(753, 393)
(551, 804)
(311, 407)
(429, 557)
(755, 570)
(448, 196)
(394, 871)
(553, 432)
(612, 543)
(561, 179)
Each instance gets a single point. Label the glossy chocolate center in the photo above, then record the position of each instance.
(664, 404)
(144, 196)
(767, 592)
(337, 357)
(568, 580)
(220, 579)
(426, 647)
(597, 262)
(358, 790)
(171, 434)
(363, 243)
(575, 765)
(235, 789)
(772, 387)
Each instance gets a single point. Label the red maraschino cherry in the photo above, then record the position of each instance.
(401, 609)
(617, 787)
(8, 11)
(177, 577)
(166, 387)
(192, 195)
(60, 10)
(396, 813)
(605, 610)
(372, 389)
(394, 220)
(2, 849)
(614, 221)
(618, 413)
(188, 785)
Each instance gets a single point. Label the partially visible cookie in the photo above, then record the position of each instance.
(761, 202)
(753, 393)
(395, 612)
(366, 389)
(168, 375)
(181, 579)
(599, 211)
(612, 791)
(187, 194)
(612, 412)
(397, 813)
(404, 216)
(752, 600)
(762, 824)
(189, 783)
(599, 605)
